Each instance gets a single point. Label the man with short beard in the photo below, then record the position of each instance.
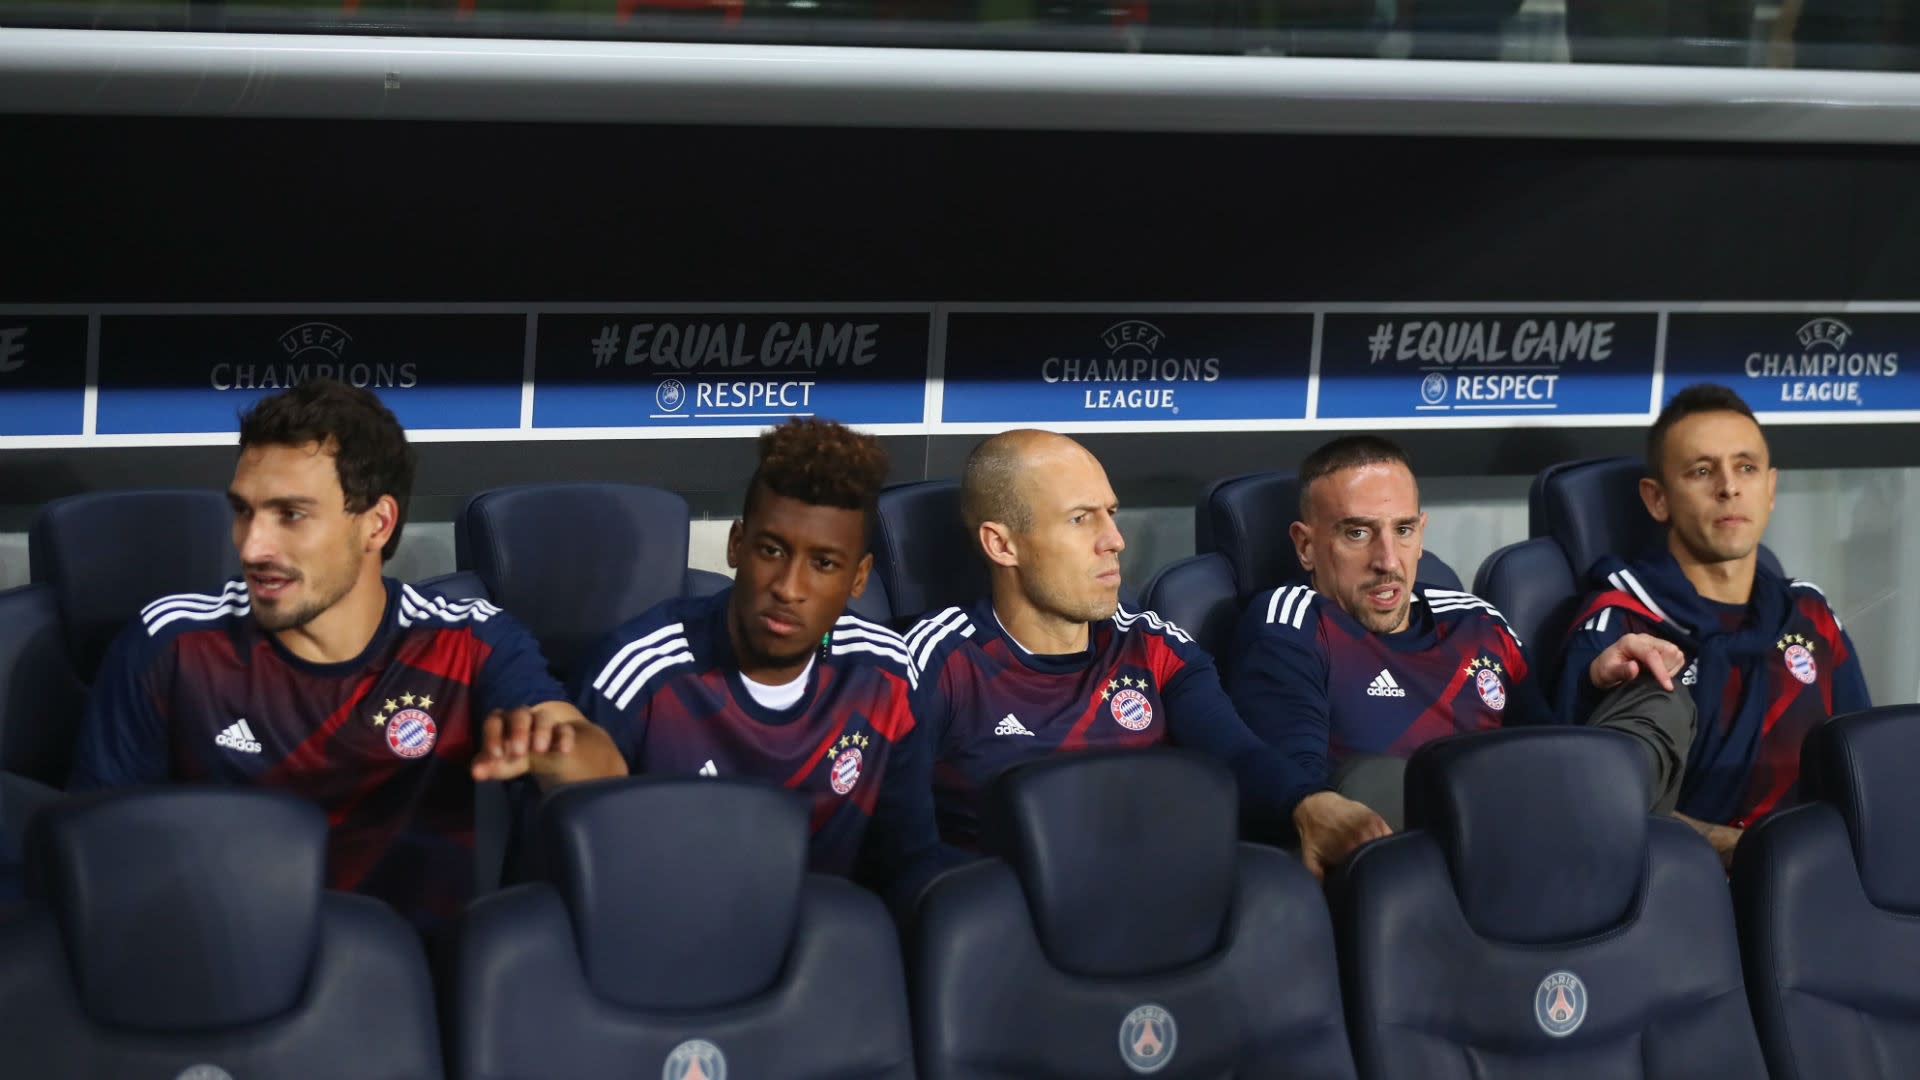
(317, 676)
(1350, 671)
(1768, 661)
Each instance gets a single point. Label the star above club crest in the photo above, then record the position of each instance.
(426, 702)
(406, 699)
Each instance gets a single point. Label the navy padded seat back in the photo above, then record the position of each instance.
(1593, 508)
(674, 927)
(1827, 909)
(1248, 518)
(1862, 766)
(1534, 921)
(1051, 815)
(1501, 811)
(642, 944)
(1197, 594)
(41, 698)
(183, 926)
(109, 554)
(1081, 954)
(1532, 585)
(923, 554)
(574, 561)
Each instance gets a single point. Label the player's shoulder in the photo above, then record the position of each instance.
(1623, 595)
(862, 642)
(1457, 610)
(169, 616)
(936, 636)
(1812, 598)
(648, 648)
(1289, 612)
(425, 608)
(1149, 623)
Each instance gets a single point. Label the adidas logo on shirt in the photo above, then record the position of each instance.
(1012, 726)
(708, 769)
(1691, 676)
(1384, 686)
(238, 736)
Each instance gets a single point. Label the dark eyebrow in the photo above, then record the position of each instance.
(278, 502)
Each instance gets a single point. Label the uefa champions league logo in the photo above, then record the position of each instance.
(670, 395)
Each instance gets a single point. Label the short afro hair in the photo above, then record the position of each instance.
(821, 463)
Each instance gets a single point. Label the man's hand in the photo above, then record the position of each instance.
(1724, 838)
(551, 740)
(1625, 659)
(1331, 826)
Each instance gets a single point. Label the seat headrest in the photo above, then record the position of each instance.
(1544, 829)
(110, 553)
(574, 561)
(1246, 520)
(1862, 765)
(184, 908)
(1593, 508)
(1127, 858)
(922, 552)
(684, 891)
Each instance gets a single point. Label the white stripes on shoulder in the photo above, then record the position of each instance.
(1289, 606)
(1626, 582)
(852, 634)
(927, 634)
(1599, 622)
(641, 659)
(1441, 601)
(199, 607)
(1125, 620)
(416, 606)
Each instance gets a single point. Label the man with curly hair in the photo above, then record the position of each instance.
(774, 679)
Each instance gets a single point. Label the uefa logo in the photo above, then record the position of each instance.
(670, 395)
(1433, 388)
(1560, 1004)
(1147, 1039)
(695, 1059)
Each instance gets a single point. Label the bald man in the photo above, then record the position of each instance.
(1050, 662)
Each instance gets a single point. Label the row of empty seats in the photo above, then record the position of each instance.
(1121, 930)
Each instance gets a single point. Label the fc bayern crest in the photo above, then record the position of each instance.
(846, 770)
(1131, 710)
(1800, 664)
(1490, 689)
(695, 1059)
(1560, 1004)
(411, 733)
(1147, 1038)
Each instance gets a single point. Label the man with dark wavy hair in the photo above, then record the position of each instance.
(774, 679)
(314, 674)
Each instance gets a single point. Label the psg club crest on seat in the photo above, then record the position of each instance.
(1130, 707)
(1560, 1004)
(1799, 658)
(695, 1059)
(411, 733)
(1147, 1038)
(846, 764)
